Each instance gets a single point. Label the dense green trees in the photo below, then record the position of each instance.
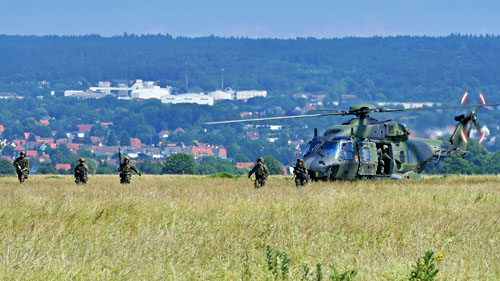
(275, 167)
(179, 163)
(6, 167)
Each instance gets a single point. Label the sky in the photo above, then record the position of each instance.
(250, 18)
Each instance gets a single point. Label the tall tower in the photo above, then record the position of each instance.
(187, 80)
(222, 79)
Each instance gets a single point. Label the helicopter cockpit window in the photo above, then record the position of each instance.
(347, 152)
(310, 147)
(331, 148)
(333, 132)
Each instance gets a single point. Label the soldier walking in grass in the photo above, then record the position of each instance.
(301, 174)
(126, 169)
(261, 173)
(22, 166)
(81, 172)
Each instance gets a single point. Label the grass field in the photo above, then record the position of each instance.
(200, 228)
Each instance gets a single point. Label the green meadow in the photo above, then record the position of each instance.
(202, 228)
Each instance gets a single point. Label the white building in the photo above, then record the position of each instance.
(148, 90)
(227, 94)
(188, 98)
(245, 95)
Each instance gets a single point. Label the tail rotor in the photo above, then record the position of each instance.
(482, 131)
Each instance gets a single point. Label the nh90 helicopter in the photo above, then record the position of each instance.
(354, 149)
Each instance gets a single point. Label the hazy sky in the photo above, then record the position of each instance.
(251, 18)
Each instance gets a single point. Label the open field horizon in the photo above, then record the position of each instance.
(201, 228)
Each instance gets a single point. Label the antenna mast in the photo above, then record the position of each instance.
(187, 80)
(222, 79)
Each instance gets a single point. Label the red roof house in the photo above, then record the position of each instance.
(106, 124)
(19, 148)
(202, 151)
(2, 129)
(241, 165)
(223, 153)
(84, 128)
(65, 167)
(44, 122)
(31, 153)
(19, 142)
(95, 139)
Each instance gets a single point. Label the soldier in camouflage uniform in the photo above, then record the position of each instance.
(383, 156)
(81, 172)
(126, 170)
(301, 174)
(22, 166)
(261, 173)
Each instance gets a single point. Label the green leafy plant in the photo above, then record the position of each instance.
(342, 276)
(278, 263)
(425, 268)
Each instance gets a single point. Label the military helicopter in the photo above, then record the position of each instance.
(354, 149)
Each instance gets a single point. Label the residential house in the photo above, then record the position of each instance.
(241, 165)
(65, 167)
(85, 128)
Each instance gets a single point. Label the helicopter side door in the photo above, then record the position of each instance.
(367, 158)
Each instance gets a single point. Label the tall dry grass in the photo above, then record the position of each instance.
(197, 228)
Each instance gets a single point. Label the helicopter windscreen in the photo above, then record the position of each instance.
(331, 148)
(310, 147)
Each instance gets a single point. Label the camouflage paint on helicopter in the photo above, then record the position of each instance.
(352, 150)
(349, 151)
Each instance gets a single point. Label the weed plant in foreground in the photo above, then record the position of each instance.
(202, 228)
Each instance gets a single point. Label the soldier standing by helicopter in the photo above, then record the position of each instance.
(301, 174)
(382, 154)
(22, 166)
(261, 173)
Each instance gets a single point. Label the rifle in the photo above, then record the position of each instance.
(120, 155)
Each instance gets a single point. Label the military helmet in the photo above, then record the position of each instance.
(82, 160)
(300, 160)
(126, 158)
(22, 153)
(260, 159)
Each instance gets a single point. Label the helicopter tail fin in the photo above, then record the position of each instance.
(460, 136)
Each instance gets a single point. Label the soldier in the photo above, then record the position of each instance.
(126, 170)
(22, 167)
(261, 173)
(81, 172)
(301, 174)
(382, 154)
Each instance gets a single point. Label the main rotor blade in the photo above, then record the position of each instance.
(275, 118)
(434, 108)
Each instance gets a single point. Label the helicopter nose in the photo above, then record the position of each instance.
(320, 165)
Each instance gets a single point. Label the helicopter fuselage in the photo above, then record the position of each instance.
(353, 151)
